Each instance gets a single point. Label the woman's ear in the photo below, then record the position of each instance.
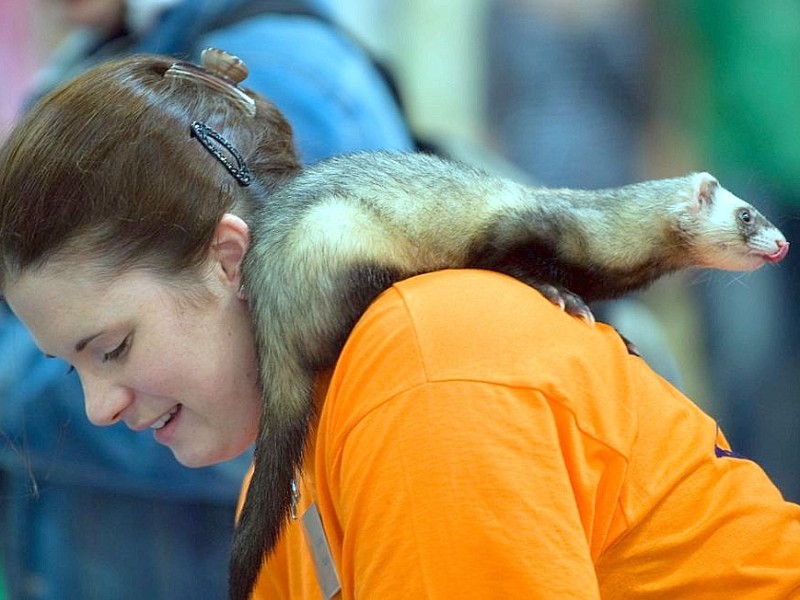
(231, 242)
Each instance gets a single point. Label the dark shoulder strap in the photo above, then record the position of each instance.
(259, 7)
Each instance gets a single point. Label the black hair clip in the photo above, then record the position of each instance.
(207, 137)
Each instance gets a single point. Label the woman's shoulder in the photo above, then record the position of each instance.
(484, 335)
(473, 325)
(480, 312)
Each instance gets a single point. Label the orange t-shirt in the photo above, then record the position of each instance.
(476, 442)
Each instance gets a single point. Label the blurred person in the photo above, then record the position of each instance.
(733, 96)
(90, 513)
(567, 89)
(183, 27)
(16, 60)
(567, 102)
(16, 66)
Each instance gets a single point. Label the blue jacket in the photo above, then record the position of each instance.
(102, 513)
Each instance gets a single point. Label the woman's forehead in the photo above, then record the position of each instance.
(60, 277)
(60, 303)
(49, 301)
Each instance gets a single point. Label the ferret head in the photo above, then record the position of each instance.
(729, 233)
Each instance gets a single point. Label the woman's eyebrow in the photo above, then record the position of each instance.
(85, 341)
(81, 345)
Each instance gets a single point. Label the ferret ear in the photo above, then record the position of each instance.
(231, 242)
(704, 191)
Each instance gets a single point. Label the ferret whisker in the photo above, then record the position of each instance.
(738, 279)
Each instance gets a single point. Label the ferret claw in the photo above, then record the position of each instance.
(569, 302)
(576, 307)
(631, 347)
(552, 293)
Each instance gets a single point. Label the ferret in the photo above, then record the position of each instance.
(325, 245)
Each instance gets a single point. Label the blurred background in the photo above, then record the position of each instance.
(577, 93)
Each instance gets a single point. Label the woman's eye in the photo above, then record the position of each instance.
(118, 351)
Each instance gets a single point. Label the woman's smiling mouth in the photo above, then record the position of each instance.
(165, 418)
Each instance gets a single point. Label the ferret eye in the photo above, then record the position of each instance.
(745, 216)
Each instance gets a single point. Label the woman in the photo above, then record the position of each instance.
(337, 102)
(471, 440)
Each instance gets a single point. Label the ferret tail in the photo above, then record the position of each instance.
(297, 335)
(278, 459)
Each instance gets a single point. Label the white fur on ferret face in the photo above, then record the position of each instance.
(732, 234)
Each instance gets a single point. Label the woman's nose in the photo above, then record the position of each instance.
(105, 401)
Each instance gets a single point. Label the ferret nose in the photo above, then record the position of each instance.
(783, 250)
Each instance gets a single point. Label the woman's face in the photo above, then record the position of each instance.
(149, 356)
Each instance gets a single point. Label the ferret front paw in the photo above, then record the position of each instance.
(569, 302)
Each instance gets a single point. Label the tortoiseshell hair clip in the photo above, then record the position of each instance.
(219, 70)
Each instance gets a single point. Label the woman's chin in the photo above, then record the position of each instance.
(196, 458)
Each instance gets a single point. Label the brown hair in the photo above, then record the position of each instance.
(105, 166)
